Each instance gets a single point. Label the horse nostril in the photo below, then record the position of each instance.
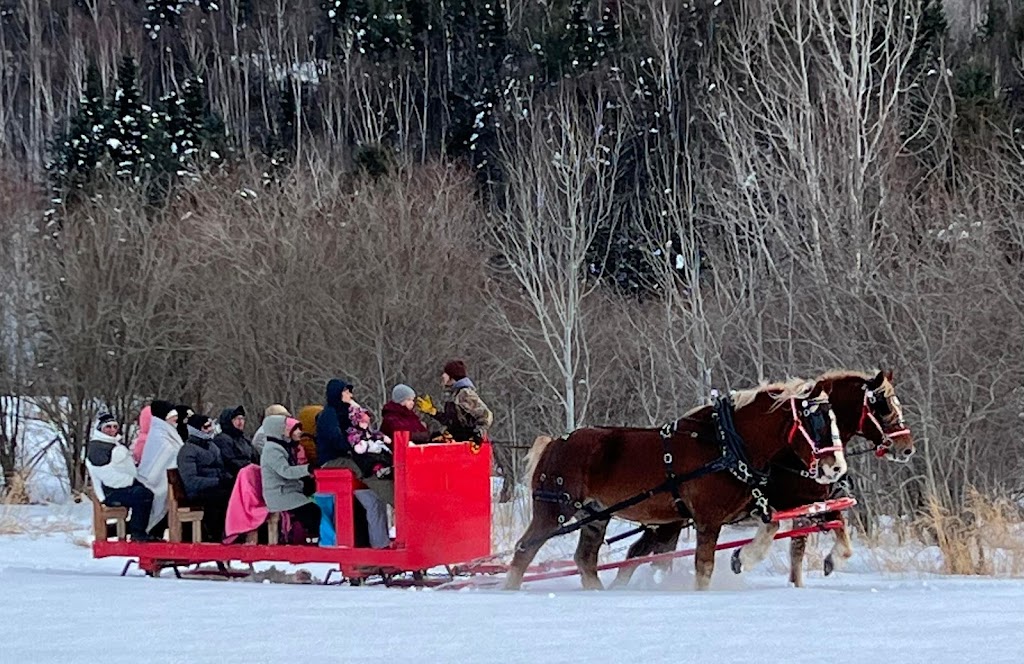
(908, 452)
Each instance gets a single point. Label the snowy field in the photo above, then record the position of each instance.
(57, 604)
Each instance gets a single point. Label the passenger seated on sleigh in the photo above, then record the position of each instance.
(370, 449)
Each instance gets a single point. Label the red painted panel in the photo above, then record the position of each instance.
(442, 516)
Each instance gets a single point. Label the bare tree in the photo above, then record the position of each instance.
(562, 160)
(17, 290)
(108, 276)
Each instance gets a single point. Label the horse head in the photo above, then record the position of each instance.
(814, 434)
(882, 422)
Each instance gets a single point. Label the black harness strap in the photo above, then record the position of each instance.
(733, 458)
(739, 467)
(667, 432)
(715, 466)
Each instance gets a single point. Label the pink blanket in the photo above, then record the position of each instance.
(246, 509)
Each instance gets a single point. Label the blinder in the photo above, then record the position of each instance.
(877, 409)
(813, 419)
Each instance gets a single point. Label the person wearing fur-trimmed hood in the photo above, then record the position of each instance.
(115, 478)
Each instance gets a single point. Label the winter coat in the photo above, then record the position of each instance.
(161, 454)
(307, 417)
(109, 463)
(396, 417)
(201, 468)
(282, 481)
(332, 425)
(236, 450)
(259, 439)
(139, 444)
(465, 414)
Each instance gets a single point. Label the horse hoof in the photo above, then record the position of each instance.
(736, 564)
(830, 565)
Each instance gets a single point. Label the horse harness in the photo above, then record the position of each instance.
(732, 458)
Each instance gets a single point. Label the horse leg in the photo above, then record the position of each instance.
(587, 550)
(544, 521)
(841, 550)
(749, 555)
(641, 547)
(797, 547)
(704, 561)
(666, 540)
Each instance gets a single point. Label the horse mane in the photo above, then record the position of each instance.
(839, 374)
(534, 455)
(793, 388)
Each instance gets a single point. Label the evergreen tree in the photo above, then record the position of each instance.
(371, 26)
(480, 72)
(80, 153)
(128, 134)
(163, 15)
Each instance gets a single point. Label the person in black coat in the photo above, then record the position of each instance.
(236, 450)
(333, 449)
(333, 423)
(207, 482)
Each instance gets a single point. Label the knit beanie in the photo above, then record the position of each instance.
(159, 409)
(456, 369)
(401, 392)
(104, 419)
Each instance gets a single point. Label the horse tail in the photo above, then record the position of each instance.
(535, 454)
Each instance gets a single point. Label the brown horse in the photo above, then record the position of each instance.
(595, 469)
(864, 405)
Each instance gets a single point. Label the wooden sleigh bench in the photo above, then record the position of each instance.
(103, 515)
(178, 511)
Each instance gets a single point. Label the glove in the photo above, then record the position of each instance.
(443, 437)
(426, 405)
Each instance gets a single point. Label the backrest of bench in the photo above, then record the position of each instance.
(175, 490)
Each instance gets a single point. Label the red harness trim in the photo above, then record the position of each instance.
(865, 414)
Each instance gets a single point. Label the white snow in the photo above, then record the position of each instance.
(58, 604)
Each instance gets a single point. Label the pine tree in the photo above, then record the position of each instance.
(371, 26)
(182, 129)
(479, 76)
(127, 138)
(579, 34)
(80, 153)
(163, 15)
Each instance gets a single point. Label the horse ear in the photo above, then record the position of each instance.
(816, 389)
(877, 381)
(888, 376)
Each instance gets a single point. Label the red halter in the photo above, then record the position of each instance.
(799, 428)
(887, 436)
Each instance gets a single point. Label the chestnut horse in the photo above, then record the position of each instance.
(864, 405)
(595, 470)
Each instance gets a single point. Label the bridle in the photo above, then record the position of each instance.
(808, 416)
(867, 413)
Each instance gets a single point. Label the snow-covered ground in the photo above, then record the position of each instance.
(57, 604)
